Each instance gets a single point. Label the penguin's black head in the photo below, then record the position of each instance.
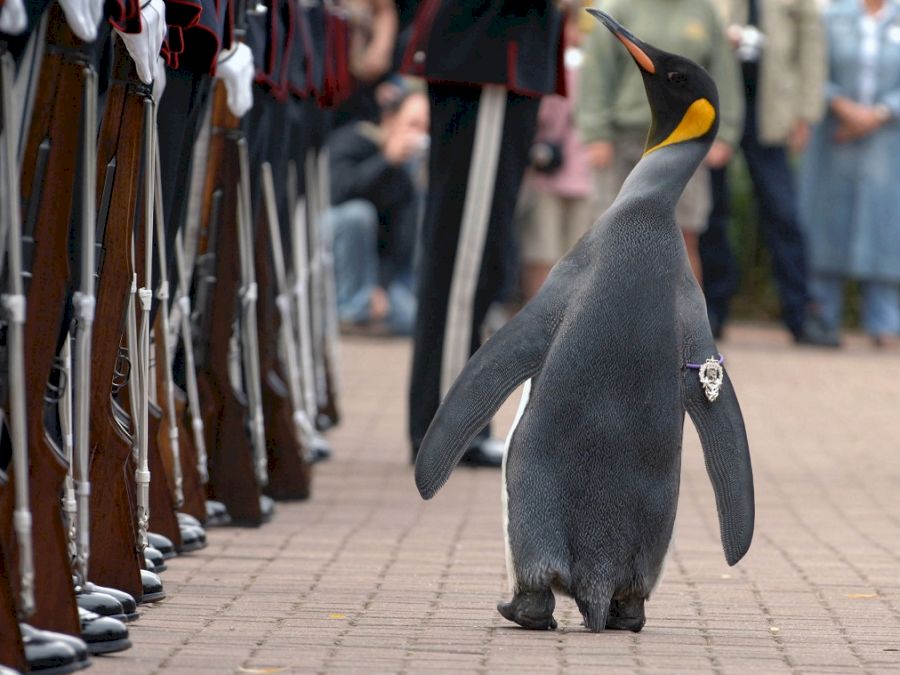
(683, 98)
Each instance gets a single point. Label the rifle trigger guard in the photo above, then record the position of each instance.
(15, 307)
(163, 292)
(84, 307)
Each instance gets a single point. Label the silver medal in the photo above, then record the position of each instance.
(712, 375)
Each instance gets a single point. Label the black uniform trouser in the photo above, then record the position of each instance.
(180, 114)
(454, 110)
(278, 133)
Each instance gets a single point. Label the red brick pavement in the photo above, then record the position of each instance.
(367, 578)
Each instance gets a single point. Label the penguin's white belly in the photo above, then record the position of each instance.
(504, 494)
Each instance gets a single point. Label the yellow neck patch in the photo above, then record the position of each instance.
(696, 122)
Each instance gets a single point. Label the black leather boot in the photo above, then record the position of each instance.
(99, 603)
(51, 653)
(267, 507)
(129, 606)
(216, 514)
(153, 588)
(192, 538)
(156, 563)
(103, 634)
(162, 544)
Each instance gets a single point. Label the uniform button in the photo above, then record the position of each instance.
(419, 57)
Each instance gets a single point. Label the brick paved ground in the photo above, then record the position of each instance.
(367, 578)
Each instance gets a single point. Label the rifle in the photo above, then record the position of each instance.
(193, 449)
(301, 303)
(13, 301)
(249, 294)
(323, 301)
(162, 457)
(140, 413)
(11, 649)
(49, 164)
(172, 459)
(12, 654)
(84, 304)
(115, 559)
(231, 462)
(155, 503)
(289, 430)
(69, 499)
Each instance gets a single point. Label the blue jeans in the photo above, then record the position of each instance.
(880, 303)
(354, 227)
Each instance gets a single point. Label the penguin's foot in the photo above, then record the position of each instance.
(627, 614)
(530, 609)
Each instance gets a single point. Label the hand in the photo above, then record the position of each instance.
(235, 68)
(857, 121)
(402, 145)
(845, 109)
(798, 139)
(719, 155)
(144, 46)
(378, 29)
(601, 154)
(372, 65)
(83, 17)
(13, 19)
(734, 33)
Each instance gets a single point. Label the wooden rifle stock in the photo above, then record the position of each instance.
(115, 560)
(11, 650)
(49, 165)
(232, 475)
(161, 455)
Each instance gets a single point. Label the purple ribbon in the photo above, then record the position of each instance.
(697, 366)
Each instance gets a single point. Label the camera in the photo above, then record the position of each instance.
(748, 42)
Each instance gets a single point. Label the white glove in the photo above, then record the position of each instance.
(144, 46)
(83, 17)
(13, 19)
(235, 68)
(159, 82)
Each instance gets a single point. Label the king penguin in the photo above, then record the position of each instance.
(611, 349)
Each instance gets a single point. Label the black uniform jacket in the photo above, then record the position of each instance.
(516, 43)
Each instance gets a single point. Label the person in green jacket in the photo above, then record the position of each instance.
(612, 112)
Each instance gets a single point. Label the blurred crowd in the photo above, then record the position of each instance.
(809, 104)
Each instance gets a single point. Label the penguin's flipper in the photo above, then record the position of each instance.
(514, 354)
(727, 456)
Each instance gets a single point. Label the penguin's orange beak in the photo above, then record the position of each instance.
(635, 47)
